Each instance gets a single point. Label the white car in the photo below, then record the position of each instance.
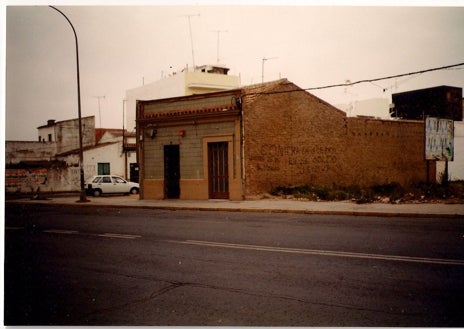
(110, 184)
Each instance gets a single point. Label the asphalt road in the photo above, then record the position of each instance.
(122, 266)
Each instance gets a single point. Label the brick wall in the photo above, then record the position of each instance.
(385, 151)
(51, 179)
(294, 138)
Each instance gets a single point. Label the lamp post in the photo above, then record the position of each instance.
(83, 197)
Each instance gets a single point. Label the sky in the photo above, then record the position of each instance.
(124, 46)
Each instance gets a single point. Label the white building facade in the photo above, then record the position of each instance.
(52, 163)
(204, 79)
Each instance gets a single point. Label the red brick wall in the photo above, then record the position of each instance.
(295, 138)
(386, 151)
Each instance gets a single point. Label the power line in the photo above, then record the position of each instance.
(349, 83)
(388, 77)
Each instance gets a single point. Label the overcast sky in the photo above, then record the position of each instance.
(120, 47)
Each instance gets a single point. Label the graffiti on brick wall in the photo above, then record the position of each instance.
(25, 179)
(272, 157)
(42, 179)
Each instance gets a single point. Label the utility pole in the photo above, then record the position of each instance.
(262, 67)
(99, 112)
(217, 52)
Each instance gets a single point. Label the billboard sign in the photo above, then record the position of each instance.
(439, 139)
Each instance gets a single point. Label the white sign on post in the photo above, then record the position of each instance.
(439, 139)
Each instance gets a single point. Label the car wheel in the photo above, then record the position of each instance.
(134, 190)
(97, 192)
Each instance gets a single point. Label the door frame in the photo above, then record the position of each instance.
(230, 158)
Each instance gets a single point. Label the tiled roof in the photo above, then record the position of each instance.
(249, 94)
(252, 92)
(99, 132)
(279, 86)
(191, 113)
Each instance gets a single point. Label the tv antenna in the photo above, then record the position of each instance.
(217, 51)
(99, 112)
(262, 66)
(191, 37)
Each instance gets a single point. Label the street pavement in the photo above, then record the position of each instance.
(120, 261)
(86, 265)
(265, 205)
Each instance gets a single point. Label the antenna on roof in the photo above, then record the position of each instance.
(262, 66)
(217, 51)
(99, 112)
(191, 38)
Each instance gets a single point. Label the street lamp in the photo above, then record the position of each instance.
(83, 197)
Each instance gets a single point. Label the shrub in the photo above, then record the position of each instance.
(391, 191)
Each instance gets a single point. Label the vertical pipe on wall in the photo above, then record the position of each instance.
(242, 147)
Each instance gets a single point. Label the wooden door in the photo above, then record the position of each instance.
(218, 168)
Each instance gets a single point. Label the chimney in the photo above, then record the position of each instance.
(50, 122)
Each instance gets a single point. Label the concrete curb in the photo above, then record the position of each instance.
(110, 203)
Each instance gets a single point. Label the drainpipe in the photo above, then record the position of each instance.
(242, 147)
(139, 148)
(124, 141)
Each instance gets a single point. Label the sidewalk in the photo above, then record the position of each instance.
(265, 205)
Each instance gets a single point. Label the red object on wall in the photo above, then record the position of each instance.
(181, 133)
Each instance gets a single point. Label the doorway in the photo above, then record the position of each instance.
(218, 170)
(134, 172)
(171, 172)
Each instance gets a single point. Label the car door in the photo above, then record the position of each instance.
(106, 185)
(119, 185)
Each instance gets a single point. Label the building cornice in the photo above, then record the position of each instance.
(189, 114)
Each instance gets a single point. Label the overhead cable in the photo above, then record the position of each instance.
(349, 83)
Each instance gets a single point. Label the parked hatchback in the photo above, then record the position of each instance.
(110, 184)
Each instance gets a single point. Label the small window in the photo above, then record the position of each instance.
(103, 168)
(49, 137)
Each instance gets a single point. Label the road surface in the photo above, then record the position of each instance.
(123, 266)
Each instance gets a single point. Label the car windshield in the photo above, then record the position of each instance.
(96, 180)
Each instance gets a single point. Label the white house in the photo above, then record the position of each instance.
(52, 163)
(374, 107)
(204, 79)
